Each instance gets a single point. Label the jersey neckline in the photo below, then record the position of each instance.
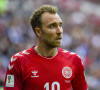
(44, 56)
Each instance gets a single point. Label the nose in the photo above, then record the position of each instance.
(59, 30)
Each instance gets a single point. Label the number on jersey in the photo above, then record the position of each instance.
(46, 86)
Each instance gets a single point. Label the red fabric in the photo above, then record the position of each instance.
(33, 72)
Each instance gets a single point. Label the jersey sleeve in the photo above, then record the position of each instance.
(13, 79)
(79, 82)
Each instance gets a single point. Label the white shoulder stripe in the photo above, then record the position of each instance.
(10, 67)
(78, 56)
(13, 59)
(17, 54)
(65, 51)
(72, 53)
(24, 52)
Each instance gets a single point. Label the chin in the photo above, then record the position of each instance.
(58, 45)
(54, 46)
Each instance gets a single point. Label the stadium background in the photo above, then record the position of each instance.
(81, 24)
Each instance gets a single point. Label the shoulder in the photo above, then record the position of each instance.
(70, 55)
(22, 54)
(18, 58)
(74, 58)
(67, 53)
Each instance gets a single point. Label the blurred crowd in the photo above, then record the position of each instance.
(81, 24)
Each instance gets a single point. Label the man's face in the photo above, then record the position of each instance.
(51, 34)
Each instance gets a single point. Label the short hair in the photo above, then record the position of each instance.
(36, 20)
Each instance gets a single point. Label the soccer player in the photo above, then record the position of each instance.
(46, 66)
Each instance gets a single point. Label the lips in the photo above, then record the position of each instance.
(59, 38)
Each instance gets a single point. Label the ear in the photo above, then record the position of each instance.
(38, 31)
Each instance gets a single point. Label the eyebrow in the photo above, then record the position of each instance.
(54, 23)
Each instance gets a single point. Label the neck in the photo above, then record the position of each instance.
(46, 51)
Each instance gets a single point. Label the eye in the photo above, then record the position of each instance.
(60, 25)
(52, 26)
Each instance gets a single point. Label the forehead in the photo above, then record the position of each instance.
(48, 18)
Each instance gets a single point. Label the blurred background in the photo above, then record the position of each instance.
(81, 24)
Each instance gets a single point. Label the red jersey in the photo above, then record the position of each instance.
(29, 71)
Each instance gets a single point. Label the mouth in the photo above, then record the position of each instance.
(60, 38)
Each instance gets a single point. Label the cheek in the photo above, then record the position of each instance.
(48, 34)
(48, 38)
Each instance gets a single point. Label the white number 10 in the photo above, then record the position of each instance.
(52, 86)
